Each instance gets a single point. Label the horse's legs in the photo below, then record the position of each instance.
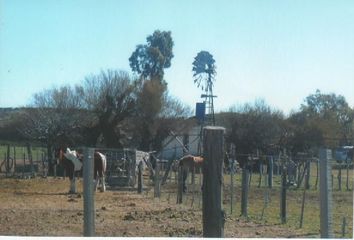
(185, 174)
(100, 178)
(97, 181)
(73, 184)
(103, 187)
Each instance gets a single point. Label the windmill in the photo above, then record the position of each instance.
(203, 73)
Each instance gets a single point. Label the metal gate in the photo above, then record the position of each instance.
(122, 166)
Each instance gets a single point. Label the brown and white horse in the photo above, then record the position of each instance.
(72, 162)
(190, 163)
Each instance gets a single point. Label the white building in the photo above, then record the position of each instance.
(173, 145)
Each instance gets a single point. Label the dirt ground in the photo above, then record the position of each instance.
(42, 207)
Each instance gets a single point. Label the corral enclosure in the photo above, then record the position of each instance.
(41, 207)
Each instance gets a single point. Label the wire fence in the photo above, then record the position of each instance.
(255, 192)
(288, 195)
(23, 161)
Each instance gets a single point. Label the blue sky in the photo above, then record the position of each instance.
(281, 51)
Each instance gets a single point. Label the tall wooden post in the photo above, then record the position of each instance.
(325, 193)
(317, 173)
(30, 158)
(8, 167)
(347, 182)
(157, 180)
(339, 176)
(24, 165)
(270, 172)
(180, 185)
(213, 215)
(232, 157)
(140, 177)
(308, 173)
(89, 204)
(245, 187)
(14, 148)
(283, 193)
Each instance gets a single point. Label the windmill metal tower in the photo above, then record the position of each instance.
(209, 105)
(204, 72)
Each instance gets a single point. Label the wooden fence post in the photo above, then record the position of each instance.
(270, 172)
(232, 156)
(24, 165)
(213, 215)
(193, 185)
(317, 173)
(6, 163)
(43, 165)
(325, 193)
(14, 148)
(283, 195)
(260, 174)
(30, 158)
(89, 204)
(347, 182)
(304, 196)
(157, 192)
(339, 176)
(308, 173)
(180, 185)
(140, 177)
(245, 187)
(8, 166)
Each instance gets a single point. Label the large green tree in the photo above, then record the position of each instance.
(149, 60)
(255, 126)
(332, 115)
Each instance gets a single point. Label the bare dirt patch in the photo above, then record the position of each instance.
(41, 207)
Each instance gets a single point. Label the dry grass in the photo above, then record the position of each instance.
(41, 207)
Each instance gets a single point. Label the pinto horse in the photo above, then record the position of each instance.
(72, 162)
(190, 163)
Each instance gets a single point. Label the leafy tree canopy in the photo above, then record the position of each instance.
(150, 60)
(324, 119)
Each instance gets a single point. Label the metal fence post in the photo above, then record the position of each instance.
(213, 215)
(325, 193)
(89, 206)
